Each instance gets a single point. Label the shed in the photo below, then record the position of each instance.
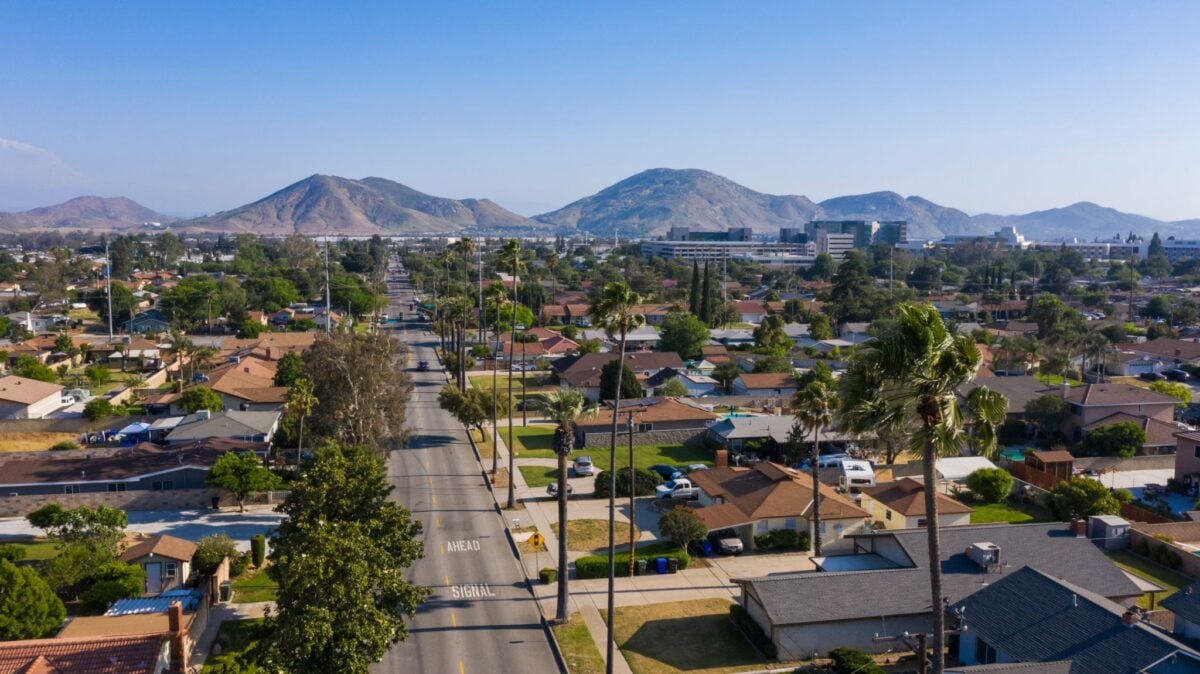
(1109, 532)
(1059, 462)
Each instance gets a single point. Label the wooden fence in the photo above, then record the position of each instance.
(1044, 480)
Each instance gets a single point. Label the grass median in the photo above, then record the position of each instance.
(578, 648)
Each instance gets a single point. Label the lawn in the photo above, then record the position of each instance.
(1056, 380)
(689, 636)
(538, 476)
(254, 586)
(532, 380)
(577, 646)
(1151, 571)
(592, 535)
(36, 550)
(235, 637)
(536, 441)
(1013, 513)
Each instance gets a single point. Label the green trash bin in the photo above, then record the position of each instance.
(226, 591)
(639, 567)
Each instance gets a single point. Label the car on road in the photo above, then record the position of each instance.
(1176, 374)
(552, 489)
(423, 366)
(666, 472)
(680, 488)
(584, 466)
(1151, 376)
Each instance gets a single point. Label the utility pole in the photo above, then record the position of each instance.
(479, 252)
(724, 280)
(328, 302)
(1132, 285)
(108, 276)
(891, 262)
(632, 494)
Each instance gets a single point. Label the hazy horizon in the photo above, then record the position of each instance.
(191, 109)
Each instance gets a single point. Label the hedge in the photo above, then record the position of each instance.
(646, 481)
(782, 538)
(548, 576)
(753, 631)
(596, 566)
(258, 549)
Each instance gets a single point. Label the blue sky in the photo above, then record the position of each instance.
(986, 106)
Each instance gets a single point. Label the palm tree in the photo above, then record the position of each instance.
(552, 265)
(563, 407)
(510, 255)
(613, 310)
(919, 365)
(814, 405)
(301, 401)
(986, 409)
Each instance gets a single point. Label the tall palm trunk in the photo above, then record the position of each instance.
(816, 506)
(560, 612)
(495, 403)
(612, 509)
(512, 333)
(300, 442)
(934, 537)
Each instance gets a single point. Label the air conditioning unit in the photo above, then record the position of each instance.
(986, 555)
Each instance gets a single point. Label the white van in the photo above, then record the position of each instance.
(856, 474)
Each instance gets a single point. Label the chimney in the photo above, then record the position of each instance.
(722, 458)
(179, 386)
(1129, 618)
(1079, 528)
(268, 353)
(177, 636)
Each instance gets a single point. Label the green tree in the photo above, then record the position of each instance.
(110, 582)
(211, 551)
(683, 333)
(301, 401)
(1123, 438)
(251, 329)
(30, 368)
(694, 294)
(362, 389)
(28, 607)
(101, 525)
(770, 337)
(630, 388)
(706, 299)
(97, 375)
(814, 406)
(563, 407)
(990, 485)
(910, 375)
(288, 369)
(775, 362)
(1081, 497)
(241, 475)
(820, 328)
(69, 571)
(1047, 412)
(98, 408)
(985, 411)
(725, 373)
(1180, 392)
(199, 398)
(339, 557)
(682, 526)
(853, 296)
(672, 389)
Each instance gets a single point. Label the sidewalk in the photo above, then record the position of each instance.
(218, 614)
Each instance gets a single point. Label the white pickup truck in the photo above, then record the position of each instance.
(679, 488)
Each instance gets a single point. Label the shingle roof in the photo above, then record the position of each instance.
(1057, 667)
(822, 597)
(907, 497)
(1115, 394)
(26, 391)
(1185, 603)
(1182, 349)
(227, 424)
(585, 370)
(161, 545)
(1018, 390)
(1030, 616)
(132, 654)
(771, 380)
(650, 410)
(1158, 433)
(768, 490)
(127, 464)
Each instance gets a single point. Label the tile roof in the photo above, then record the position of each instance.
(771, 380)
(1030, 616)
(26, 391)
(822, 597)
(650, 410)
(1158, 433)
(1166, 347)
(907, 497)
(126, 654)
(250, 373)
(161, 545)
(1115, 394)
(768, 490)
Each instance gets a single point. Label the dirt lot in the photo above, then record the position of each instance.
(32, 442)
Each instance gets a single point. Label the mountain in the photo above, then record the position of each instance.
(329, 204)
(926, 220)
(653, 201)
(1085, 220)
(85, 213)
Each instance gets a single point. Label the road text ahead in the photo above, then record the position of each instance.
(471, 591)
(463, 546)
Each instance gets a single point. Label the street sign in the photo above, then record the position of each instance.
(537, 540)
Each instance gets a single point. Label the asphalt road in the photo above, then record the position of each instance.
(481, 617)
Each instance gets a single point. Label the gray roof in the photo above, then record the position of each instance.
(1057, 667)
(816, 597)
(1033, 617)
(1018, 390)
(227, 424)
(769, 425)
(1185, 603)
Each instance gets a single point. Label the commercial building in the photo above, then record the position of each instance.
(796, 246)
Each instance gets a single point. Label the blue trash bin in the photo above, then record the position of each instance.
(706, 548)
(660, 564)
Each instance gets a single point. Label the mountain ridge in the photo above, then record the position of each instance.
(86, 212)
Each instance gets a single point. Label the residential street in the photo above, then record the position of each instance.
(481, 616)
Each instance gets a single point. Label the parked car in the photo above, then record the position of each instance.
(552, 489)
(693, 467)
(67, 399)
(728, 544)
(1151, 376)
(530, 404)
(680, 488)
(664, 471)
(423, 366)
(583, 465)
(1176, 374)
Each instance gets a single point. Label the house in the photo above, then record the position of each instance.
(1032, 615)
(856, 333)
(956, 469)
(167, 561)
(1185, 605)
(1132, 364)
(883, 588)
(901, 505)
(1092, 402)
(715, 353)
(754, 501)
(1176, 351)
(144, 353)
(22, 398)
(248, 385)
(236, 425)
(1187, 458)
(640, 339)
(751, 312)
(828, 345)
(23, 319)
(110, 654)
(1160, 435)
(654, 420)
(737, 433)
(1018, 391)
(142, 477)
(731, 337)
(765, 384)
(799, 334)
(148, 321)
(583, 372)
(699, 385)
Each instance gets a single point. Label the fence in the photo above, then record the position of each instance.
(1033, 476)
(1138, 514)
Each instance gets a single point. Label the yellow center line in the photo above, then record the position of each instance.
(431, 480)
(437, 522)
(447, 580)
(460, 668)
(453, 620)
(441, 549)
(434, 500)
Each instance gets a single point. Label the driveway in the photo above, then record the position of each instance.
(190, 525)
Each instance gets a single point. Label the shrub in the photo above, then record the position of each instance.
(991, 485)
(238, 564)
(1166, 556)
(645, 482)
(64, 445)
(12, 553)
(1141, 547)
(548, 576)
(1165, 538)
(783, 538)
(753, 631)
(804, 540)
(113, 581)
(596, 566)
(763, 541)
(210, 550)
(258, 549)
(847, 660)
(681, 526)
(1081, 497)
(98, 408)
